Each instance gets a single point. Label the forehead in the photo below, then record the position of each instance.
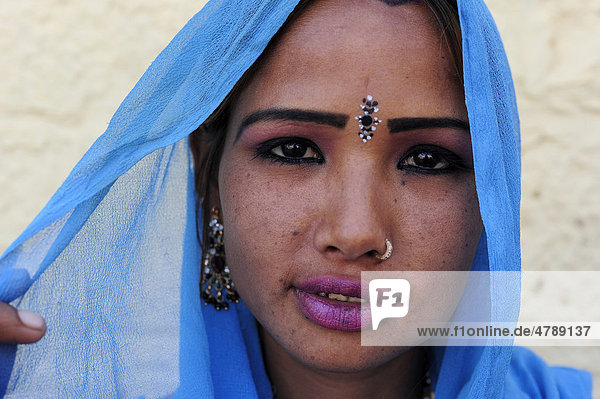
(325, 24)
(336, 51)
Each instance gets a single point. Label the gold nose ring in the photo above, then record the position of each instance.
(388, 251)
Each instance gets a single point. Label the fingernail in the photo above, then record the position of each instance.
(31, 320)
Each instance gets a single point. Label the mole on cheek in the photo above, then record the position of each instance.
(294, 233)
(402, 182)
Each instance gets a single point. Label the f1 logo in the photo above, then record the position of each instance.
(389, 298)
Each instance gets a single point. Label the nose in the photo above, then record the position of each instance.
(353, 222)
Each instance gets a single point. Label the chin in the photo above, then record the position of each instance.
(352, 359)
(365, 363)
(333, 351)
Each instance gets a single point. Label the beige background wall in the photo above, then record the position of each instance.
(65, 66)
(554, 51)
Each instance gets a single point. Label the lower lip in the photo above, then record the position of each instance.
(328, 313)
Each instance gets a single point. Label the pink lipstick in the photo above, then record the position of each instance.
(331, 302)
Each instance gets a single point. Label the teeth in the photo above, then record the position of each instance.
(356, 300)
(342, 298)
(338, 297)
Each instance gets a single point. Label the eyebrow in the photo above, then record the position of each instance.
(394, 3)
(403, 124)
(293, 115)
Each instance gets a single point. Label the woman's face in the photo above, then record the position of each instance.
(306, 202)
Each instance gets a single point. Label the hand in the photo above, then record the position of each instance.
(20, 326)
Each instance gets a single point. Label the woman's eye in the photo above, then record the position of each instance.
(430, 159)
(290, 150)
(295, 150)
(427, 160)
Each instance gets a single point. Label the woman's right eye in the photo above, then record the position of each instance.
(290, 150)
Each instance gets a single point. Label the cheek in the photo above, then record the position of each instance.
(262, 221)
(438, 225)
(261, 215)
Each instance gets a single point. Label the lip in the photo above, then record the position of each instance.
(329, 313)
(331, 285)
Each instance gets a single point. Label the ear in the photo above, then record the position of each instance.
(214, 198)
(206, 146)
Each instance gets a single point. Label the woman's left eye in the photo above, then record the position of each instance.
(290, 150)
(430, 159)
(294, 150)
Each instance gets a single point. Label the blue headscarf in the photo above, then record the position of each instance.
(112, 261)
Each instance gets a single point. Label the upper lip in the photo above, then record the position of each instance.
(331, 285)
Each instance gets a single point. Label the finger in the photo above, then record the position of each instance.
(20, 326)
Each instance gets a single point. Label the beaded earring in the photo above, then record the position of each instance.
(216, 285)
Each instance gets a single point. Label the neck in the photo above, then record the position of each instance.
(401, 377)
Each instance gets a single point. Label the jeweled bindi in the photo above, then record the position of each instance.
(367, 122)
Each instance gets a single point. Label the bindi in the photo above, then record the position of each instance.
(367, 122)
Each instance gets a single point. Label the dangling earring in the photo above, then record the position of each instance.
(216, 285)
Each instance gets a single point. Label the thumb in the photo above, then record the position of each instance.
(20, 326)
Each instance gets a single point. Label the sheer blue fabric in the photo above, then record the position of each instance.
(112, 261)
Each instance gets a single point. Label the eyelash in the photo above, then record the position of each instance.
(454, 162)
